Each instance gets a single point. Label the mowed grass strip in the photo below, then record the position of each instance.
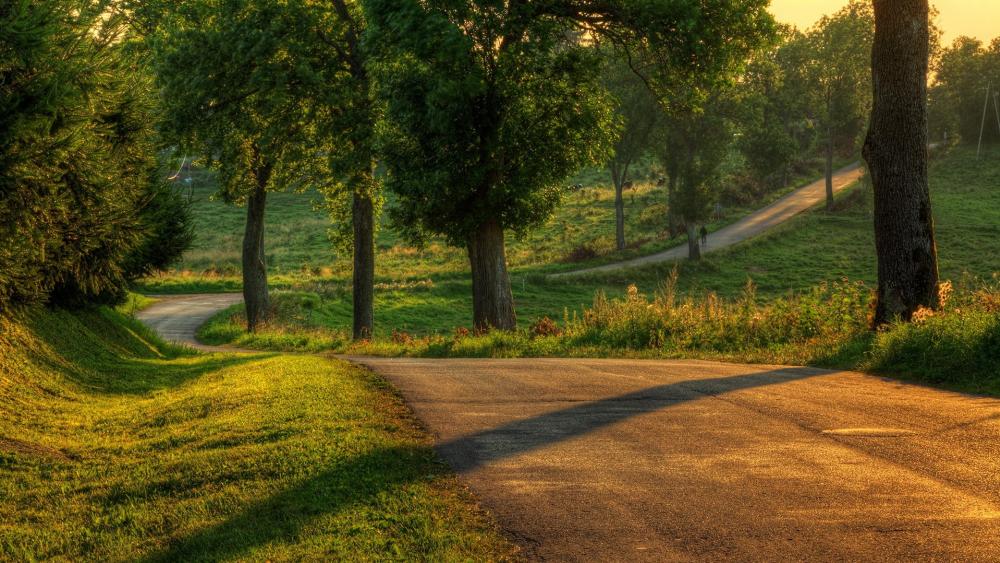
(114, 447)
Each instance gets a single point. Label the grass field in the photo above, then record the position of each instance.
(816, 247)
(115, 447)
(299, 252)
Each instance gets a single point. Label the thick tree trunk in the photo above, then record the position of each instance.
(363, 217)
(694, 243)
(673, 221)
(829, 169)
(255, 296)
(492, 301)
(896, 152)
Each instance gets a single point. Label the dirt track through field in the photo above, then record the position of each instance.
(750, 226)
(176, 318)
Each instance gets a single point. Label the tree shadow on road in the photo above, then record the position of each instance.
(281, 517)
(474, 450)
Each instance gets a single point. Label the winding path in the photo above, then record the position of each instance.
(748, 227)
(628, 460)
(176, 318)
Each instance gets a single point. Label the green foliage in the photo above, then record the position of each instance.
(242, 84)
(637, 112)
(775, 127)
(693, 147)
(114, 447)
(963, 71)
(489, 111)
(76, 153)
(165, 218)
(838, 68)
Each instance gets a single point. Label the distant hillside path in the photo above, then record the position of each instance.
(747, 227)
(176, 318)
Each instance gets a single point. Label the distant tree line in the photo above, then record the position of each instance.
(958, 94)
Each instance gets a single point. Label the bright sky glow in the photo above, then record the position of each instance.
(975, 18)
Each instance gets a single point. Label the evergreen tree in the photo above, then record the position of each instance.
(76, 154)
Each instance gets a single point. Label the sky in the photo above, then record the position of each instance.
(975, 18)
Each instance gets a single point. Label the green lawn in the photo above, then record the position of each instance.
(114, 447)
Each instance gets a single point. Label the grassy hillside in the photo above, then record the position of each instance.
(299, 253)
(816, 247)
(114, 447)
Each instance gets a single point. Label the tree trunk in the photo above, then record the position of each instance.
(255, 296)
(673, 221)
(896, 152)
(619, 181)
(492, 301)
(829, 169)
(694, 243)
(363, 218)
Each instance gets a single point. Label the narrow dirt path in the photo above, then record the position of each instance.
(176, 318)
(750, 226)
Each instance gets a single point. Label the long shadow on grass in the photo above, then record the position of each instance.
(359, 480)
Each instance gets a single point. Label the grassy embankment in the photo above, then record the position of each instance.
(800, 309)
(116, 447)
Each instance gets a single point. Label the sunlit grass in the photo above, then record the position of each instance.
(114, 447)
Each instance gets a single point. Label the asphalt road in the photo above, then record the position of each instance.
(616, 460)
(176, 318)
(750, 226)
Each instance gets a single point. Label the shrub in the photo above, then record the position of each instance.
(545, 327)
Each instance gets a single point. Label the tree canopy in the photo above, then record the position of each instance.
(491, 105)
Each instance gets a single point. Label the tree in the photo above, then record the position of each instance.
(637, 112)
(76, 155)
(489, 111)
(963, 72)
(694, 146)
(348, 118)
(491, 105)
(242, 82)
(775, 125)
(896, 152)
(838, 69)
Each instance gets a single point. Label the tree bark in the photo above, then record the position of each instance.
(492, 300)
(694, 243)
(829, 168)
(255, 295)
(673, 221)
(363, 218)
(896, 152)
(618, 179)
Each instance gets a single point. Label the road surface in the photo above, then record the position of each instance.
(750, 226)
(626, 460)
(621, 460)
(176, 318)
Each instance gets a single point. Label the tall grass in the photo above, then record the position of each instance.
(711, 324)
(828, 325)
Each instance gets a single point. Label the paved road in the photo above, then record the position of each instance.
(748, 227)
(176, 318)
(614, 460)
